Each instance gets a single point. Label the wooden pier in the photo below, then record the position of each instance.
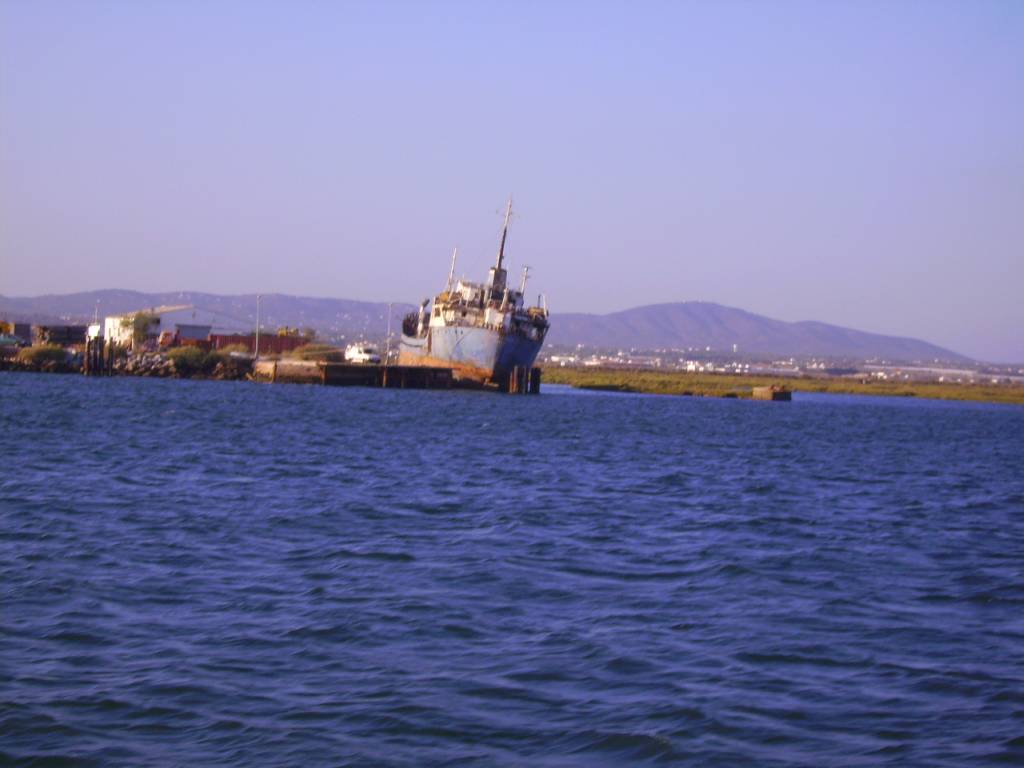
(520, 381)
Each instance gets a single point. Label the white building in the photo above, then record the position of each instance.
(186, 321)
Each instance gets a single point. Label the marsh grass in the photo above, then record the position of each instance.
(725, 385)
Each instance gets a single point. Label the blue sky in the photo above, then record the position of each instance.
(859, 163)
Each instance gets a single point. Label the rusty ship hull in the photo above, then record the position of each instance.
(475, 355)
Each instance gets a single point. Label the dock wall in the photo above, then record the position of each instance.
(521, 381)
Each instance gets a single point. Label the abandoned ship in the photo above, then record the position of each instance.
(484, 332)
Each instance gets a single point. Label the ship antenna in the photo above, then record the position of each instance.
(451, 272)
(504, 232)
(522, 286)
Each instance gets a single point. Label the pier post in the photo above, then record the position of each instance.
(535, 374)
(95, 358)
(519, 380)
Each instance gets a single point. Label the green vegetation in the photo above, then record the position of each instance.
(47, 353)
(140, 323)
(318, 352)
(724, 385)
(190, 361)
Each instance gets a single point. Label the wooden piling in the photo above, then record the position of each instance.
(97, 359)
(535, 374)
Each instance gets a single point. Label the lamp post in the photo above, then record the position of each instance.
(256, 355)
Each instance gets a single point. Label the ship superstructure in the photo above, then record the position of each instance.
(482, 331)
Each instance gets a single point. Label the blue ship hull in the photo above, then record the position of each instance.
(481, 355)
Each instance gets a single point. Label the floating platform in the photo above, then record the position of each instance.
(371, 375)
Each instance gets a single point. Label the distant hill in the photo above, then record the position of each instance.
(704, 324)
(330, 317)
(658, 326)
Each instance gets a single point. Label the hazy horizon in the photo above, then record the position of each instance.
(850, 163)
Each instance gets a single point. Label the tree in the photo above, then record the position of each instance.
(140, 323)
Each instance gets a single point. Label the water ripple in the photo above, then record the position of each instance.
(230, 574)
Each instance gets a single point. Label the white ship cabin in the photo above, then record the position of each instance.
(476, 304)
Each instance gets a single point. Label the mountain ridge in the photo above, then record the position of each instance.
(699, 324)
(672, 325)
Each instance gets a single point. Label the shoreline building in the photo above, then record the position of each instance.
(182, 321)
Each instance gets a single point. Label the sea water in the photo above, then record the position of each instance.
(211, 573)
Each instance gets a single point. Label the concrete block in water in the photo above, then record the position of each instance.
(773, 393)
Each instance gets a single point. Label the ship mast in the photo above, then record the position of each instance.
(504, 233)
(451, 272)
(496, 283)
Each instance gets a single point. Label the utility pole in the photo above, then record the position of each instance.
(256, 356)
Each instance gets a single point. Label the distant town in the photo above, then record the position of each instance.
(733, 362)
(149, 340)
